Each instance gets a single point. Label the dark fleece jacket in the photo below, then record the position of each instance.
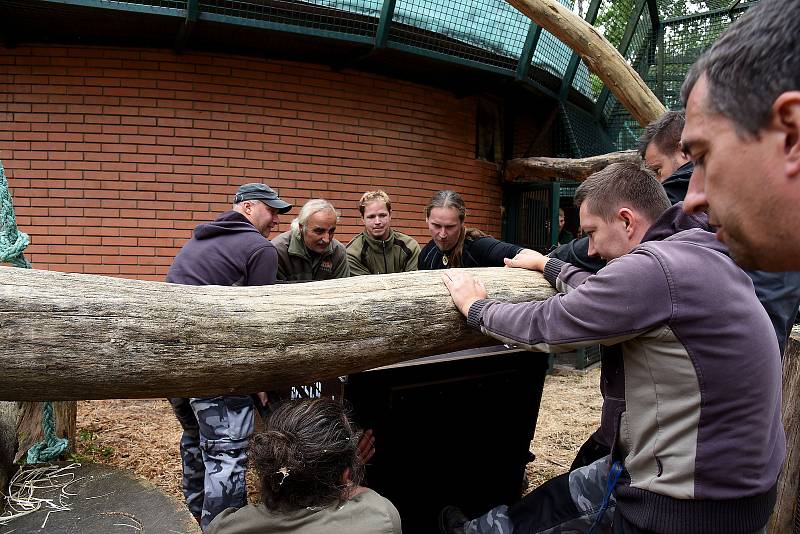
(226, 252)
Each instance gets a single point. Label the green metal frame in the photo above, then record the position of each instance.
(387, 13)
(286, 28)
(555, 203)
(630, 30)
(525, 58)
(574, 61)
(126, 6)
(192, 12)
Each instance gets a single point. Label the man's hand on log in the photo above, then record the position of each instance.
(464, 288)
(527, 259)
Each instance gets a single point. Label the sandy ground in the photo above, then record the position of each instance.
(143, 435)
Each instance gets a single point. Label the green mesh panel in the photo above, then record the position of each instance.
(487, 31)
(578, 135)
(356, 17)
(552, 55)
(682, 43)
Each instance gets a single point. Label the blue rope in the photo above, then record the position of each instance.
(613, 478)
(12, 244)
(52, 446)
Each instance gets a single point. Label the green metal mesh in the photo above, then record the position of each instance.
(551, 54)
(578, 135)
(490, 32)
(354, 17)
(682, 42)
(623, 129)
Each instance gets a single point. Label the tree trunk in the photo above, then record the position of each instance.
(71, 336)
(29, 425)
(600, 56)
(8, 446)
(541, 169)
(783, 518)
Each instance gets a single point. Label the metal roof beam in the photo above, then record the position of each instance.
(192, 14)
(525, 58)
(630, 30)
(382, 33)
(575, 60)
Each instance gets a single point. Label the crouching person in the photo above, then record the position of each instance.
(698, 440)
(310, 463)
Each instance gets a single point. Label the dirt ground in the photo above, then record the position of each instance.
(143, 435)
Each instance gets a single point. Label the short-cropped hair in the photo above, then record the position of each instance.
(623, 185)
(665, 132)
(372, 196)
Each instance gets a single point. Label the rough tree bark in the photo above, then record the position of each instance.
(71, 336)
(600, 56)
(783, 518)
(9, 414)
(540, 169)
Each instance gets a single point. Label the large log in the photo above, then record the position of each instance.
(600, 56)
(72, 336)
(786, 509)
(540, 169)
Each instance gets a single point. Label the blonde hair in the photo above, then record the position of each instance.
(372, 196)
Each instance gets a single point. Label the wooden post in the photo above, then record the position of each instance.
(540, 169)
(72, 336)
(786, 509)
(599, 55)
(21, 427)
(8, 446)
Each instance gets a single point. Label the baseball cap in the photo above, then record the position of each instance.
(261, 192)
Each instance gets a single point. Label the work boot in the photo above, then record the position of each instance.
(451, 520)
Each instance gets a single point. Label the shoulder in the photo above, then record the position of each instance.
(379, 510)
(357, 241)
(406, 240)
(251, 518)
(339, 251)
(282, 241)
(428, 255)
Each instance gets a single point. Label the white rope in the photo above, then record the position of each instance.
(28, 488)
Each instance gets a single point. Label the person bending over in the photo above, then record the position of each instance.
(310, 463)
(696, 449)
(453, 244)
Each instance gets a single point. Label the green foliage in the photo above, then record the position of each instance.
(90, 449)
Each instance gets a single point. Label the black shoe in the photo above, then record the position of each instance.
(451, 520)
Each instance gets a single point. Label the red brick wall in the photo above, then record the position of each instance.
(114, 155)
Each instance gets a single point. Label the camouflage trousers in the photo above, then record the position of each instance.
(570, 503)
(216, 432)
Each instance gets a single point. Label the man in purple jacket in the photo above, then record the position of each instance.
(233, 250)
(697, 448)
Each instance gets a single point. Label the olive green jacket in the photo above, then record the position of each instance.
(297, 264)
(367, 255)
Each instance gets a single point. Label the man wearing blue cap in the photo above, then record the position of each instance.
(233, 250)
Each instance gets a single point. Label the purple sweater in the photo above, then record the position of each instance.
(226, 252)
(700, 436)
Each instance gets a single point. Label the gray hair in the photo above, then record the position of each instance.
(665, 132)
(623, 184)
(750, 65)
(310, 208)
